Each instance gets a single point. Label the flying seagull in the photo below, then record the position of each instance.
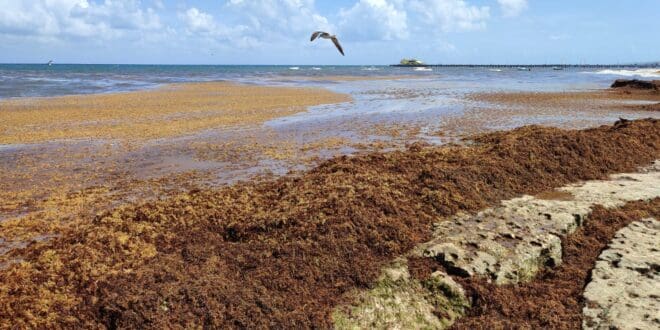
(326, 35)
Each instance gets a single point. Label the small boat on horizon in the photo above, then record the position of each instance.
(411, 62)
(524, 68)
(557, 68)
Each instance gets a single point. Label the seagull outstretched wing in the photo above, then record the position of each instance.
(336, 42)
(326, 35)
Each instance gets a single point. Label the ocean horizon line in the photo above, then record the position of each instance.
(641, 64)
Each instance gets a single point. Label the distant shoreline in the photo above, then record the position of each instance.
(626, 65)
(641, 66)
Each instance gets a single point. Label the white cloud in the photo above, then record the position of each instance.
(276, 19)
(277, 26)
(511, 8)
(204, 25)
(374, 20)
(451, 15)
(399, 19)
(75, 18)
(198, 21)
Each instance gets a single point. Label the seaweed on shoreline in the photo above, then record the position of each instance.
(283, 253)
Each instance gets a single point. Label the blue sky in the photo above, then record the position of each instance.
(372, 31)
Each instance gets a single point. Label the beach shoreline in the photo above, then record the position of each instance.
(266, 143)
(248, 236)
(240, 143)
(460, 164)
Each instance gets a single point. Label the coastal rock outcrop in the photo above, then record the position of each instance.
(400, 301)
(624, 291)
(636, 84)
(509, 244)
(506, 245)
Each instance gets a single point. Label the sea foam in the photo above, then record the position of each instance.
(646, 73)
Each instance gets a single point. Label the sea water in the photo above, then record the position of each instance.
(40, 80)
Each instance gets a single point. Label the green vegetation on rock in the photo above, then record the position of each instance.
(400, 301)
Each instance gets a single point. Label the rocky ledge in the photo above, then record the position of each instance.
(505, 244)
(624, 292)
(636, 84)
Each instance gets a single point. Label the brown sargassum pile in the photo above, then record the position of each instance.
(283, 253)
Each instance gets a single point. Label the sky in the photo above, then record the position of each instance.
(371, 31)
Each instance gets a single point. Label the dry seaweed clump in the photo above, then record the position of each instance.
(284, 253)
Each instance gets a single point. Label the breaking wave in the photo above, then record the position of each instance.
(646, 73)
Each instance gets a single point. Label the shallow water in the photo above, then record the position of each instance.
(383, 115)
(413, 97)
(412, 105)
(19, 80)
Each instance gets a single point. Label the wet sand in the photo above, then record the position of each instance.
(346, 78)
(490, 111)
(604, 100)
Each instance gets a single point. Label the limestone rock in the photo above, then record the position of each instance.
(510, 243)
(624, 292)
(505, 244)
